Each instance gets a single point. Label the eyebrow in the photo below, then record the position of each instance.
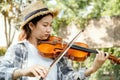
(48, 22)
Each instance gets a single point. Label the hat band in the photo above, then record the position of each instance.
(32, 13)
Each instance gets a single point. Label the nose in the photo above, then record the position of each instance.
(48, 29)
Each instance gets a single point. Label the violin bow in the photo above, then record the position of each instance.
(64, 51)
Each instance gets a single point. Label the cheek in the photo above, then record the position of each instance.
(40, 31)
(36, 31)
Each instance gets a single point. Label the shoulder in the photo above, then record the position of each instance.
(20, 49)
(17, 47)
(20, 44)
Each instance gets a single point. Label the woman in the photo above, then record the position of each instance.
(23, 60)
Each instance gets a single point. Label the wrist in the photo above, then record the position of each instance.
(89, 71)
(17, 74)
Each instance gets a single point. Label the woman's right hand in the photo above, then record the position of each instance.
(34, 71)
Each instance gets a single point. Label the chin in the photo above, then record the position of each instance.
(45, 38)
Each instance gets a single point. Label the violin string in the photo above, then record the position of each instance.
(64, 51)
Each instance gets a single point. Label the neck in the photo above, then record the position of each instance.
(33, 41)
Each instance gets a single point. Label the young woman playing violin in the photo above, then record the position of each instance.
(23, 60)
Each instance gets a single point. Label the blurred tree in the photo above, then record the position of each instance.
(11, 10)
(77, 11)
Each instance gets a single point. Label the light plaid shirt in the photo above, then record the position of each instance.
(17, 55)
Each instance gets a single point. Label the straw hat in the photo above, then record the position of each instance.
(36, 9)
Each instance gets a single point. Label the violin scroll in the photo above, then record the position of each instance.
(114, 59)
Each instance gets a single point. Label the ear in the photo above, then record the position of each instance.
(31, 25)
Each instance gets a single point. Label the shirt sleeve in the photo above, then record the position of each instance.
(66, 72)
(10, 62)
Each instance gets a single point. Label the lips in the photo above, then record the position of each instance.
(47, 35)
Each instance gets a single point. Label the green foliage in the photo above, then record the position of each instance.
(2, 51)
(81, 11)
(59, 23)
(70, 11)
(112, 9)
(106, 8)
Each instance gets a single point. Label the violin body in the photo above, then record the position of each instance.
(77, 52)
(50, 48)
(54, 46)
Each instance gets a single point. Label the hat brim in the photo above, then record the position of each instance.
(54, 13)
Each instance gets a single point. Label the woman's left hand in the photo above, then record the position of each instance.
(101, 57)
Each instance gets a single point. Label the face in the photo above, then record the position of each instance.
(42, 29)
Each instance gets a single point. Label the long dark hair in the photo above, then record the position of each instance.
(26, 33)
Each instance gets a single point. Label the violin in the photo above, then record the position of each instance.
(53, 46)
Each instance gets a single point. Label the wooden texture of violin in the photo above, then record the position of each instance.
(51, 48)
(78, 51)
(54, 46)
(74, 53)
